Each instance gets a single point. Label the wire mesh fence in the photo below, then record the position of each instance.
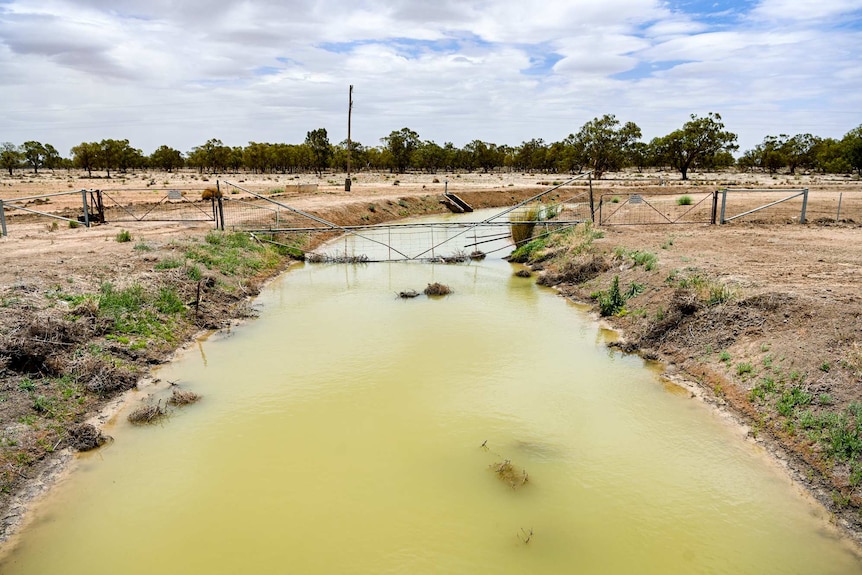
(158, 205)
(633, 208)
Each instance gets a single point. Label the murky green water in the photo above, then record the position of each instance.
(341, 433)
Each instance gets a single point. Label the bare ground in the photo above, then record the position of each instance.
(793, 311)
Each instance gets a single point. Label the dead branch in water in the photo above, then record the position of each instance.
(147, 413)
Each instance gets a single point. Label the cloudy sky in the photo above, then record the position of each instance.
(180, 72)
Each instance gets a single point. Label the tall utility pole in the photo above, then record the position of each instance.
(349, 117)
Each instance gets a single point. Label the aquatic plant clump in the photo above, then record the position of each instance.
(437, 289)
(510, 474)
(147, 414)
(181, 397)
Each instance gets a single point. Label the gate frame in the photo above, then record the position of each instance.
(796, 193)
(711, 195)
(10, 203)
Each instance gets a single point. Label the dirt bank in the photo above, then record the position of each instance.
(728, 307)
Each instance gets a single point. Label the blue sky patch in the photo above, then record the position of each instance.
(647, 69)
(266, 71)
(542, 65)
(409, 47)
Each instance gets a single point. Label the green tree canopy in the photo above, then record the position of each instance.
(321, 150)
(86, 156)
(604, 144)
(699, 140)
(10, 156)
(401, 144)
(167, 159)
(35, 154)
(852, 143)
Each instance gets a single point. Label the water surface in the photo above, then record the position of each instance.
(341, 432)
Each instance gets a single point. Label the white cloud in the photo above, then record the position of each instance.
(178, 73)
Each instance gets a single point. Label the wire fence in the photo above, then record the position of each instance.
(728, 206)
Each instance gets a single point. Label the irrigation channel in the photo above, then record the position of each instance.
(349, 431)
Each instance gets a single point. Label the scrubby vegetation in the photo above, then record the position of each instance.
(86, 345)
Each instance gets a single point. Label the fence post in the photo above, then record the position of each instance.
(86, 208)
(601, 201)
(220, 213)
(804, 205)
(723, 205)
(837, 216)
(2, 219)
(714, 207)
(592, 208)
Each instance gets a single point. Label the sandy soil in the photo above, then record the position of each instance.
(796, 287)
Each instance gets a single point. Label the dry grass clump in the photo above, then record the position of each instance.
(210, 193)
(522, 222)
(181, 397)
(477, 255)
(86, 437)
(437, 289)
(524, 273)
(147, 414)
(510, 474)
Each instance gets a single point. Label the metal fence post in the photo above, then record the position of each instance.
(714, 207)
(3, 219)
(86, 208)
(220, 213)
(804, 205)
(837, 216)
(723, 205)
(592, 205)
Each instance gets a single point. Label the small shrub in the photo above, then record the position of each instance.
(168, 302)
(719, 293)
(73, 224)
(124, 236)
(684, 201)
(142, 247)
(724, 356)
(744, 368)
(791, 398)
(612, 301)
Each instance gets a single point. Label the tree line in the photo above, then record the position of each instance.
(601, 145)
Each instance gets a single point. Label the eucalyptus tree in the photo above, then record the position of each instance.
(10, 156)
(35, 154)
(86, 156)
(401, 144)
(167, 159)
(212, 156)
(698, 140)
(852, 143)
(321, 150)
(604, 144)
